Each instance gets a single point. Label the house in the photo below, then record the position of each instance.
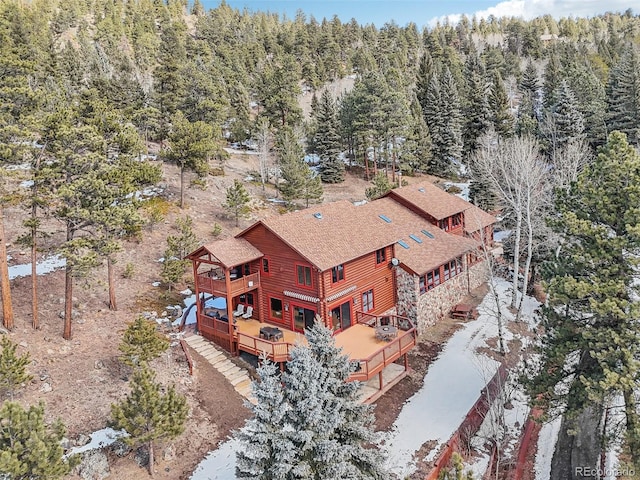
(376, 274)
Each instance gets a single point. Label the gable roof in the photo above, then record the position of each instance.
(335, 233)
(433, 201)
(229, 252)
(430, 199)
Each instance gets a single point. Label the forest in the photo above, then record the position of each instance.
(90, 90)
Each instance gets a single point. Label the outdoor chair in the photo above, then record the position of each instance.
(249, 313)
(239, 311)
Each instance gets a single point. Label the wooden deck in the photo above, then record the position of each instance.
(358, 342)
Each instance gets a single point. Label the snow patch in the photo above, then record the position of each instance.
(101, 438)
(464, 189)
(47, 265)
(547, 439)
(220, 464)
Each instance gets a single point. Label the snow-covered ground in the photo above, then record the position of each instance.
(464, 189)
(451, 387)
(547, 439)
(99, 439)
(47, 265)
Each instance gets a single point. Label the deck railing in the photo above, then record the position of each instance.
(393, 350)
(218, 286)
(215, 330)
(275, 351)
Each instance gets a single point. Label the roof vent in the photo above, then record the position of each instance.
(318, 215)
(415, 238)
(403, 244)
(421, 189)
(385, 218)
(427, 234)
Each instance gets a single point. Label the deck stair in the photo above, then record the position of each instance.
(237, 376)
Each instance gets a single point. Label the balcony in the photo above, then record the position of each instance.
(218, 286)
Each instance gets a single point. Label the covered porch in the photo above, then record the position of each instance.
(227, 282)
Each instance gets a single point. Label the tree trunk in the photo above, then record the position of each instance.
(516, 258)
(34, 273)
(112, 284)
(68, 302)
(393, 161)
(151, 458)
(5, 286)
(181, 187)
(366, 164)
(527, 265)
(633, 425)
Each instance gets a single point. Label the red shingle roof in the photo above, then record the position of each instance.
(430, 199)
(335, 233)
(229, 252)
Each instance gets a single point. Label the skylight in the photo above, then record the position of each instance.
(403, 244)
(415, 238)
(421, 189)
(318, 215)
(385, 218)
(427, 234)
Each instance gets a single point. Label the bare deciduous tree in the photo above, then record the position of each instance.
(519, 177)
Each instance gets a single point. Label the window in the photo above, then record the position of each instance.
(247, 269)
(341, 316)
(265, 266)
(381, 256)
(447, 271)
(444, 224)
(275, 308)
(246, 299)
(456, 220)
(337, 274)
(303, 275)
(303, 318)
(367, 301)
(429, 281)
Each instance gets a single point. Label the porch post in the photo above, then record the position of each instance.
(196, 264)
(227, 282)
(380, 379)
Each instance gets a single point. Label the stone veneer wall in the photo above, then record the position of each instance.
(427, 308)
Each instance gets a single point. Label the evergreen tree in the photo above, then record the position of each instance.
(444, 119)
(566, 123)
(237, 204)
(147, 414)
(623, 95)
(278, 90)
(29, 447)
(552, 79)
(381, 186)
(13, 368)
(319, 429)
(190, 147)
(501, 118)
(327, 140)
(141, 343)
(591, 319)
(300, 182)
(178, 247)
(266, 451)
(476, 109)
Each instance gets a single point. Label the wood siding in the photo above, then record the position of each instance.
(364, 274)
(282, 275)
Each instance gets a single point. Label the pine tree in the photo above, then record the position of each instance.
(237, 204)
(330, 427)
(501, 118)
(623, 95)
(13, 368)
(327, 140)
(141, 343)
(591, 320)
(311, 423)
(147, 414)
(476, 108)
(190, 147)
(300, 182)
(566, 123)
(444, 119)
(381, 186)
(29, 447)
(179, 246)
(266, 451)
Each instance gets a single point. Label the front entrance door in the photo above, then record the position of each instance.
(341, 316)
(302, 318)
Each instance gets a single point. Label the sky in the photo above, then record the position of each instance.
(427, 12)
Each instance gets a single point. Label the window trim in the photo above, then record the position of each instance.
(373, 300)
(338, 280)
(382, 262)
(266, 273)
(292, 309)
(271, 317)
(304, 285)
(337, 304)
